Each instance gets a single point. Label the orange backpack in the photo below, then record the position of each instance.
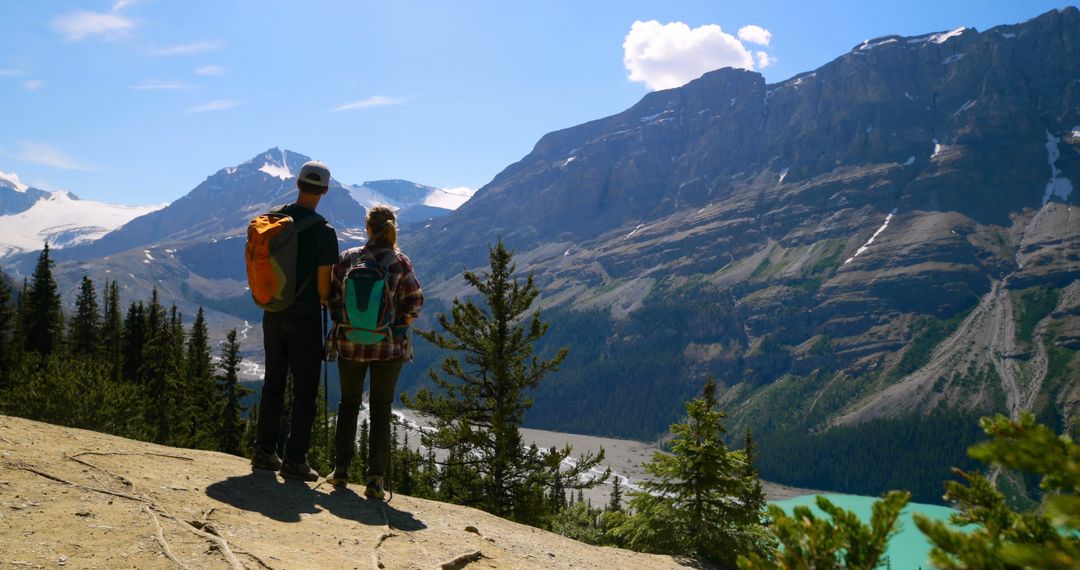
(271, 255)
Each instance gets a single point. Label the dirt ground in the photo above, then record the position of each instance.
(77, 499)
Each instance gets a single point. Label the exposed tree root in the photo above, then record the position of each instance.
(180, 457)
(160, 534)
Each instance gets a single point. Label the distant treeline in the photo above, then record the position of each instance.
(134, 372)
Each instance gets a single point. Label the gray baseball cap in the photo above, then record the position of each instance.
(315, 172)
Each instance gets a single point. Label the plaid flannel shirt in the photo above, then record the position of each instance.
(407, 296)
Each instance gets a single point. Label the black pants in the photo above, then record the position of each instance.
(384, 375)
(293, 343)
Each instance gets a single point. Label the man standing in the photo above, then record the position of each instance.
(292, 337)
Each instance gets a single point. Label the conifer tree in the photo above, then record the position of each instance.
(480, 397)
(231, 428)
(696, 501)
(250, 431)
(112, 331)
(86, 324)
(134, 342)
(161, 372)
(8, 338)
(202, 386)
(616, 496)
(43, 326)
(994, 534)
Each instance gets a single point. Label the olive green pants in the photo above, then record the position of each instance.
(384, 375)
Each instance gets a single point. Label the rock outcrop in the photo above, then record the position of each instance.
(80, 499)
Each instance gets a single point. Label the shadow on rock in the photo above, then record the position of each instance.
(262, 492)
(345, 503)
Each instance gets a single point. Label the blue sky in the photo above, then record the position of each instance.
(137, 101)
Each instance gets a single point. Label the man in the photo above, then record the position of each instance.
(293, 337)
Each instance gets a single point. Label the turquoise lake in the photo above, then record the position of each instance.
(909, 549)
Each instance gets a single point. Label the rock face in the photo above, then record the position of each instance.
(843, 224)
(88, 500)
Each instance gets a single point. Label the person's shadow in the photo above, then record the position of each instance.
(262, 492)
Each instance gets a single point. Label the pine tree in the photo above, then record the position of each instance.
(996, 535)
(112, 331)
(230, 436)
(616, 496)
(202, 385)
(250, 430)
(86, 324)
(43, 326)
(8, 338)
(134, 342)
(695, 503)
(360, 460)
(162, 374)
(478, 405)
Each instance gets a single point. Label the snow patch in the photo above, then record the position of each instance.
(149, 257)
(866, 245)
(910, 161)
(276, 171)
(568, 161)
(942, 38)
(650, 118)
(867, 46)
(1076, 132)
(970, 103)
(938, 149)
(1008, 35)
(64, 222)
(908, 95)
(631, 234)
(952, 58)
(783, 175)
(14, 180)
(449, 198)
(1057, 186)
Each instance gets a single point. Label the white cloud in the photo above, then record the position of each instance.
(188, 48)
(374, 101)
(764, 60)
(214, 106)
(155, 85)
(212, 70)
(663, 56)
(755, 35)
(39, 153)
(33, 84)
(76, 26)
(121, 4)
(10, 72)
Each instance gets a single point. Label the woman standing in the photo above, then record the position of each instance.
(377, 349)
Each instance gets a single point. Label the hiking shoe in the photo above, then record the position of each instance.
(340, 477)
(374, 489)
(301, 471)
(266, 460)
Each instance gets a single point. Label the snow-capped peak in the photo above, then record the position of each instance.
(12, 181)
(278, 170)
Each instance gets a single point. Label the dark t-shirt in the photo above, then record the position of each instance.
(316, 246)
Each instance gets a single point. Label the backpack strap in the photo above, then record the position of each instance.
(309, 221)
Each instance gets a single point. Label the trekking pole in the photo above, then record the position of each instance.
(326, 389)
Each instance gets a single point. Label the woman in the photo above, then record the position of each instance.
(358, 353)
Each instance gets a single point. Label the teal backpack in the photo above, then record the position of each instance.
(368, 306)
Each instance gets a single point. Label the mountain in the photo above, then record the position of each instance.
(876, 247)
(110, 502)
(191, 250)
(31, 216)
